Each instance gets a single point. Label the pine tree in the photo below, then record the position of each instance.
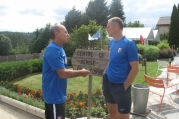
(98, 10)
(116, 9)
(177, 44)
(173, 34)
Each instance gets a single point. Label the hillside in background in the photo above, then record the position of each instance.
(28, 35)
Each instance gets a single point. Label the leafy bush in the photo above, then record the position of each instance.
(69, 61)
(140, 57)
(164, 36)
(165, 53)
(137, 41)
(151, 53)
(153, 42)
(12, 70)
(163, 45)
(141, 48)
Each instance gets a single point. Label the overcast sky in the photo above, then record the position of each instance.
(28, 15)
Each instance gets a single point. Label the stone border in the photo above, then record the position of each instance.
(25, 107)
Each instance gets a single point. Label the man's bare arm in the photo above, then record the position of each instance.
(67, 73)
(132, 74)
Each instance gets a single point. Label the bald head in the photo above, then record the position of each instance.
(55, 28)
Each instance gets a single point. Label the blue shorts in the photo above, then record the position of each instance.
(115, 94)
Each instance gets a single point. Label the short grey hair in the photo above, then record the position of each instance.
(118, 21)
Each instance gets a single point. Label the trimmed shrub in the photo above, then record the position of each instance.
(36, 65)
(12, 70)
(153, 42)
(165, 53)
(141, 48)
(151, 53)
(163, 45)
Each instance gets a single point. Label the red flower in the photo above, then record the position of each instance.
(72, 105)
(81, 104)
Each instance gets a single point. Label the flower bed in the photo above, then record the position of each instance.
(76, 104)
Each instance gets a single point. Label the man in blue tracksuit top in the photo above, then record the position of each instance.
(55, 74)
(120, 72)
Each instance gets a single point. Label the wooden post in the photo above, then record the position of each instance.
(145, 64)
(89, 96)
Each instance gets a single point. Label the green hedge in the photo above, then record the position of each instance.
(151, 53)
(12, 70)
(141, 48)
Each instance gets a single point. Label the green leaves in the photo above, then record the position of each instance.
(135, 24)
(41, 39)
(116, 9)
(79, 38)
(174, 27)
(151, 53)
(5, 45)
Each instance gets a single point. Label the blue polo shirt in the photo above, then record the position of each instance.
(53, 86)
(121, 53)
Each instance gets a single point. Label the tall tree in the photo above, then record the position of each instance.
(41, 39)
(173, 31)
(116, 10)
(135, 24)
(177, 46)
(79, 38)
(5, 45)
(72, 19)
(98, 10)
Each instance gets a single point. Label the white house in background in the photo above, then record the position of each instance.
(134, 33)
(163, 24)
(156, 35)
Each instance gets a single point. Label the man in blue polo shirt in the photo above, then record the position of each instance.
(55, 74)
(120, 72)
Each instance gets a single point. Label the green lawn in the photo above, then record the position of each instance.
(81, 84)
(74, 84)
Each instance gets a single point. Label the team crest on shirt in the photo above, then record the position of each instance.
(119, 50)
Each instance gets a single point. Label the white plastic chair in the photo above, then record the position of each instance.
(162, 66)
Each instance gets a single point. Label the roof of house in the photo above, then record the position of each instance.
(155, 32)
(164, 21)
(135, 32)
(156, 35)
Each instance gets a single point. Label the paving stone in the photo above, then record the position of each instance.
(10, 112)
